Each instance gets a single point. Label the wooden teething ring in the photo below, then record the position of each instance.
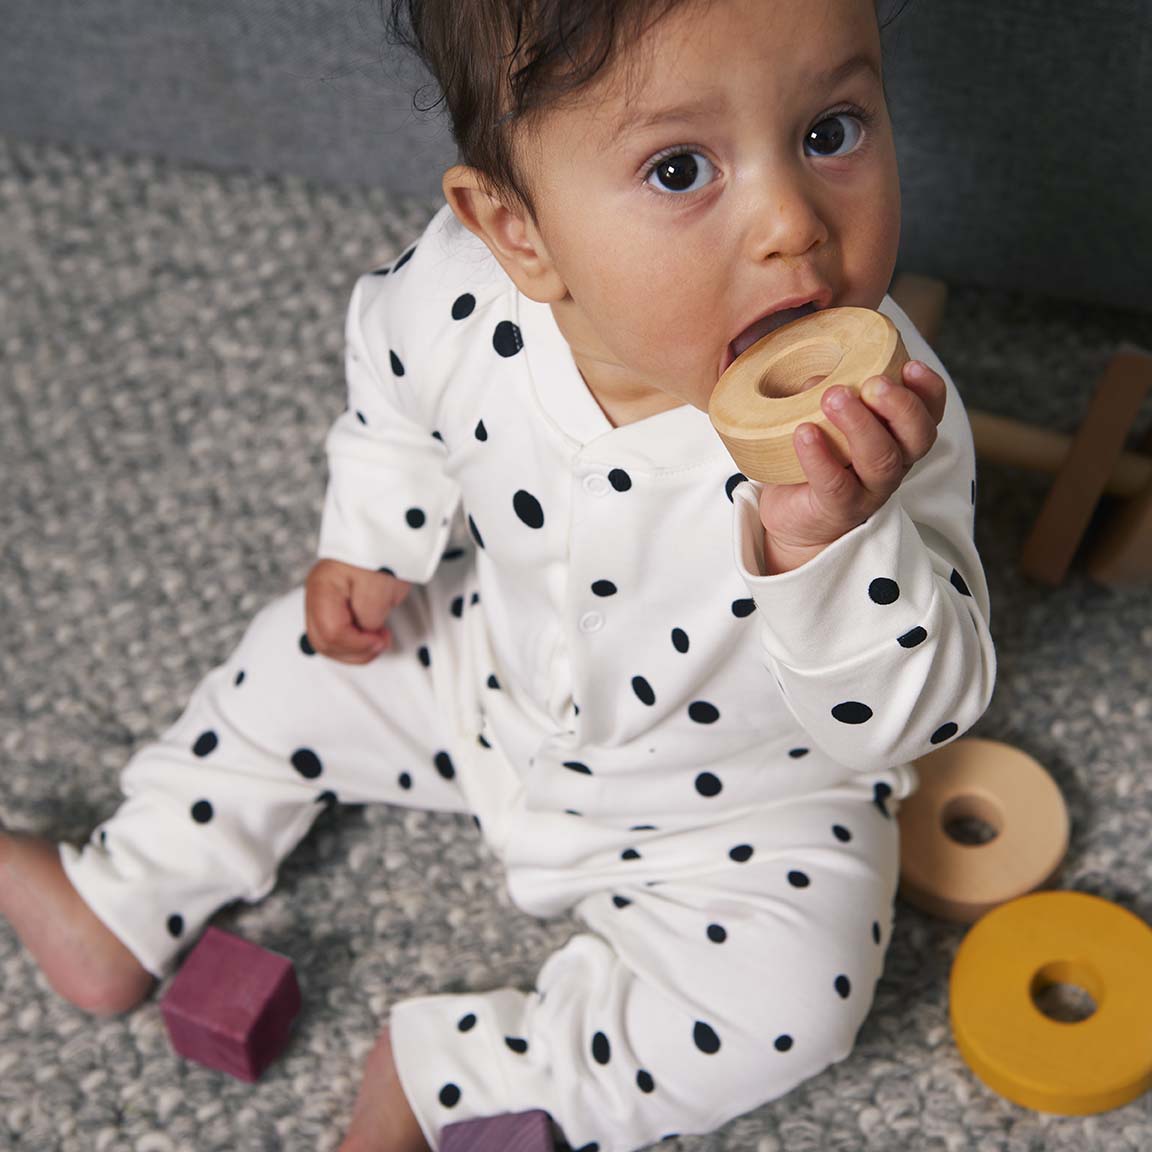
(1019, 950)
(1004, 788)
(759, 401)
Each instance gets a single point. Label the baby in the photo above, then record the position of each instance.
(678, 703)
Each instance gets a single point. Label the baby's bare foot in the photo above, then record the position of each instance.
(80, 957)
(383, 1120)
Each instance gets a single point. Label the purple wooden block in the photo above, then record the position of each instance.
(516, 1132)
(232, 1005)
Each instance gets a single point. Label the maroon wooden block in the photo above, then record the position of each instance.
(515, 1132)
(232, 1005)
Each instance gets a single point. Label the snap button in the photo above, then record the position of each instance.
(597, 485)
(591, 622)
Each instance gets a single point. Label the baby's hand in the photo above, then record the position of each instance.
(347, 608)
(889, 426)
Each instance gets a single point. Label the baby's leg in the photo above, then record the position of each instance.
(212, 808)
(693, 1001)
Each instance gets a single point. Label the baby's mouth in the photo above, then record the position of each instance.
(762, 327)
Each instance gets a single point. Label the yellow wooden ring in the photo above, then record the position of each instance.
(1005, 788)
(758, 402)
(1046, 938)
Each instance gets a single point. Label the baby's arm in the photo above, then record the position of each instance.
(880, 641)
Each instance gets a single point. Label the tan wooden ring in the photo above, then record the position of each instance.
(1005, 788)
(759, 401)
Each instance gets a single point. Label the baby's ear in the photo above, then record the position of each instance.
(509, 231)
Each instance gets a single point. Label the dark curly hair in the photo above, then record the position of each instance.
(496, 62)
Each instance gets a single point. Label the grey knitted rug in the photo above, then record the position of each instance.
(171, 358)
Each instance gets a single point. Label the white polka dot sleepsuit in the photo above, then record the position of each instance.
(702, 762)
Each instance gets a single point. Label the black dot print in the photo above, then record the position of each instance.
(239, 678)
(645, 1082)
(643, 690)
(883, 591)
(973, 493)
(732, 481)
(798, 879)
(679, 639)
(467, 1023)
(705, 1038)
(381, 271)
(444, 765)
(912, 637)
(507, 339)
(474, 598)
(328, 798)
(944, 732)
(103, 838)
(621, 901)
(743, 607)
(482, 740)
(307, 763)
(629, 854)
(475, 533)
(798, 753)
(742, 853)
(528, 509)
(493, 682)
(481, 433)
(415, 517)
(205, 743)
(361, 417)
(880, 794)
(516, 1044)
(603, 588)
(841, 833)
(386, 570)
(202, 812)
(783, 1043)
(843, 987)
(176, 925)
(578, 766)
(397, 364)
(438, 436)
(424, 656)
(958, 583)
(453, 554)
(643, 828)
(458, 607)
(463, 306)
(405, 781)
(703, 712)
(593, 1147)
(619, 479)
(404, 259)
(717, 933)
(852, 712)
(306, 645)
(450, 1095)
(875, 932)
(601, 1049)
(708, 784)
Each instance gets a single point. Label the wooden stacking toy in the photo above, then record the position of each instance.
(779, 382)
(1030, 945)
(232, 1005)
(518, 1132)
(990, 782)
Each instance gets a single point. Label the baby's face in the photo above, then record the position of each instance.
(741, 162)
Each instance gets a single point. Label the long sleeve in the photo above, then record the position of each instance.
(389, 502)
(881, 643)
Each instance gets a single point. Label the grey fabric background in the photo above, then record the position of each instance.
(1024, 126)
(170, 358)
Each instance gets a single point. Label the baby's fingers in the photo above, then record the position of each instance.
(907, 417)
(332, 630)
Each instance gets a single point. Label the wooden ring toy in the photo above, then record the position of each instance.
(1004, 788)
(767, 391)
(1015, 953)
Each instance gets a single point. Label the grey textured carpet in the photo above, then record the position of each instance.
(171, 360)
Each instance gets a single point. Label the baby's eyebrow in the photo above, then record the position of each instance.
(639, 118)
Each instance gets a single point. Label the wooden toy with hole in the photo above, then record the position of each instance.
(987, 827)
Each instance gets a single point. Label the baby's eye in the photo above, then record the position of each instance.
(828, 136)
(681, 172)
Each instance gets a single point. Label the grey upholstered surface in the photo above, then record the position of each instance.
(1024, 127)
(171, 344)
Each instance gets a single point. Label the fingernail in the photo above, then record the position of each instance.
(918, 368)
(836, 398)
(877, 387)
(807, 433)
